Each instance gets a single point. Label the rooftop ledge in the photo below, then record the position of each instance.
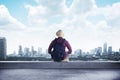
(59, 65)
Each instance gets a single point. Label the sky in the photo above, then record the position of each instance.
(87, 24)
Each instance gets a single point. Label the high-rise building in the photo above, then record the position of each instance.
(3, 48)
(110, 50)
(119, 51)
(20, 51)
(80, 52)
(105, 49)
(27, 52)
(99, 51)
(33, 52)
(39, 51)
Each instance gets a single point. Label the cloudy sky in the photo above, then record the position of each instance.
(86, 23)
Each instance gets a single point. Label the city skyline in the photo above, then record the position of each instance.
(101, 53)
(86, 23)
(104, 52)
(105, 49)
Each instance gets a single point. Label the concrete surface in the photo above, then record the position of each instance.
(59, 65)
(59, 74)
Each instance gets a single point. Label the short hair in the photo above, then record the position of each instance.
(60, 33)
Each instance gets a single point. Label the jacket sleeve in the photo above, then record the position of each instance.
(68, 47)
(50, 47)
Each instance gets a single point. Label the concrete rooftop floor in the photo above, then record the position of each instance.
(59, 74)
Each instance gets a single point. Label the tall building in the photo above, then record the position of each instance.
(20, 51)
(119, 51)
(39, 51)
(110, 50)
(99, 51)
(27, 52)
(3, 48)
(105, 49)
(80, 54)
(33, 52)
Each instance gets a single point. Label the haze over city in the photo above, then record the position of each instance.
(87, 24)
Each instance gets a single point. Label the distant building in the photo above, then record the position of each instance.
(92, 51)
(26, 52)
(116, 55)
(20, 51)
(78, 52)
(110, 50)
(99, 51)
(32, 51)
(105, 49)
(39, 51)
(3, 48)
(119, 51)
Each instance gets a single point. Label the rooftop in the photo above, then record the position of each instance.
(47, 70)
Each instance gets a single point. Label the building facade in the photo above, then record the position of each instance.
(3, 48)
(105, 49)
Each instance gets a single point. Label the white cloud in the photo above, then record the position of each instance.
(46, 12)
(8, 22)
(36, 15)
(81, 6)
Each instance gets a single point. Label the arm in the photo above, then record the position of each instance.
(50, 47)
(68, 47)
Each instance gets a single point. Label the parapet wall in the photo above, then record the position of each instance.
(59, 65)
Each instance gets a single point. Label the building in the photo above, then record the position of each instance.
(78, 52)
(99, 51)
(119, 50)
(20, 51)
(105, 49)
(33, 52)
(39, 51)
(27, 52)
(110, 50)
(3, 48)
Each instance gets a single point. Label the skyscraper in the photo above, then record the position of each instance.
(39, 51)
(27, 52)
(3, 48)
(105, 49)
(110, 50)
(33, 52)
(119, 51)
(80, 54)
(99, 51)
(20, 51)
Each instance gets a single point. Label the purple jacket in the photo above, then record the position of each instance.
(59, 40)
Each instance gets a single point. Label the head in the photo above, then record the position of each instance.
(60, 33)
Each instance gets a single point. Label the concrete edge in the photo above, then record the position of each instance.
(59, 65)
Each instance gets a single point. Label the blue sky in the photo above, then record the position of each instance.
(34, 22)
(17, 9)
(102, 3)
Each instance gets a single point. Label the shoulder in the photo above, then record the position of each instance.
(54, 40)
(66, 41)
